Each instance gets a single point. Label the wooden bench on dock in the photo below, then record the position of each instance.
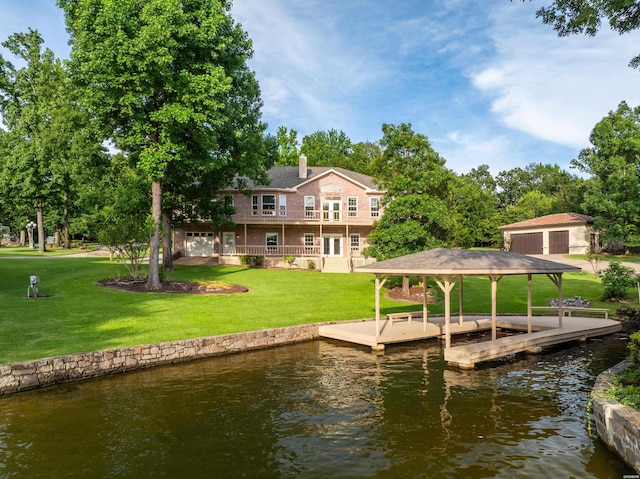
(568, 310)
(392, 317)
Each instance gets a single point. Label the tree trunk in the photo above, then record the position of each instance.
(167, 243)
(153, 280)
(42, 239)
(22, 238)
(65, 222)
(405, 285)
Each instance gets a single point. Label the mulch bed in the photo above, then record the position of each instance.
(415, 295)
(180, 287)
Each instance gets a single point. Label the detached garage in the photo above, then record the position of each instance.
(562, 233)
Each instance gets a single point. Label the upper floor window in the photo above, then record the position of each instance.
(309, 206)
(282, 205)
(375, 207)
(254, 205)
(352, 206)
(268, 204)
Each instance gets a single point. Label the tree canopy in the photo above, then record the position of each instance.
(168, 80)
(48, 137)
(416, 215)
(613, 196)
(570, 17)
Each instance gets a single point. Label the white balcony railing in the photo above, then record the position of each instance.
(306, 216)
(282, 250)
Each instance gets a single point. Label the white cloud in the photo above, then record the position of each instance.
(308, 70)
(465, 150)
(553, 88)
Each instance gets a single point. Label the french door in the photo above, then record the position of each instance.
(332, 245)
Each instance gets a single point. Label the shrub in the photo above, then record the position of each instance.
(311, 264)
(616, 280)
(634, 348)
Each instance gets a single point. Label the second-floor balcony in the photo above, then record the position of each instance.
(363, 217)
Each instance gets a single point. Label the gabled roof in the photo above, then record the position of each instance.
(558, 219)
(442, 261)
(287, 177)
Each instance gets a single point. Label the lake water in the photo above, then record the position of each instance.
(319, 409)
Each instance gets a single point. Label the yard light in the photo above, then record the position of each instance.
(30, 227)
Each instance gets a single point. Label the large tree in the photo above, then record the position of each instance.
(288, 148)
(326, 148)
(34, 106)
(586, 16)
(613, 195)
(416, 215)
(475, 209)
(169, 81)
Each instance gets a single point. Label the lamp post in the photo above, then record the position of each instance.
(30, 227)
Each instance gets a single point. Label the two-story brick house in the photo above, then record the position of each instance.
(320, 215)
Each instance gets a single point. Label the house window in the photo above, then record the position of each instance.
(269, 205)
(309, 243)
(354, 241)
(271, 240)
(375, 207)
(282, 205)
(254, 205)
(352, 206)
(309, 206)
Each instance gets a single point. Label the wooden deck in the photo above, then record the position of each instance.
(545, 332)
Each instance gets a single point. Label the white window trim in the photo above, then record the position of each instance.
(255, 205)
(309, 206)
(269, 212)
(282, 205)
(352, 213)
(375, 213)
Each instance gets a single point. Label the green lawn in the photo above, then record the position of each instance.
(80, 316)
(23, 251)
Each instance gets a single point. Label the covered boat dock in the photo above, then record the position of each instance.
(448, 267)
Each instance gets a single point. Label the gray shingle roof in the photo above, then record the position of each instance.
(288, 177)
(441, 261)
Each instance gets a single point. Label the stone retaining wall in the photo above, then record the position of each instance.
(76, 367)
(617, 425)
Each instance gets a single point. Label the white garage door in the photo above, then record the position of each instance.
(200, 243)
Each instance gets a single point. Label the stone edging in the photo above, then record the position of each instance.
(617, 425)
(77, 367)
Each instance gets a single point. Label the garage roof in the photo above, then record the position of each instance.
(558, 219)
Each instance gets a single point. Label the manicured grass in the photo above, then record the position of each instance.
(80, 316)
(26, 251)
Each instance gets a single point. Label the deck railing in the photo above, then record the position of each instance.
(306, 216)
(282, 250)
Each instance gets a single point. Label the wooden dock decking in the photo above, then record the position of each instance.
(545, 332)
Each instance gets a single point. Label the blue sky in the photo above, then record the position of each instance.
(486, 82)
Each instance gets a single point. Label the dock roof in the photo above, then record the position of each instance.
(442, 261)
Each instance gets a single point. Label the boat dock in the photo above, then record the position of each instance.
(545, 331)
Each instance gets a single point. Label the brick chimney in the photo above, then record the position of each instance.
(302, 167)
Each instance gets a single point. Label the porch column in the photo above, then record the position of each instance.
(245, 238)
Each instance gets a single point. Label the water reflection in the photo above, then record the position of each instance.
(319, 409)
